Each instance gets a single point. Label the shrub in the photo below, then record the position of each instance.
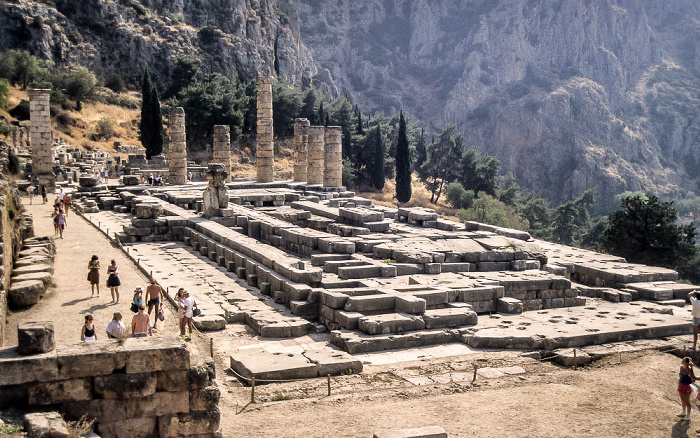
(105, 128)
(458, 196)
(4, 93)
(115, 82)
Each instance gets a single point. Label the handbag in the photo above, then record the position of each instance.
(161, 315)
(134, 308)
(196, 311)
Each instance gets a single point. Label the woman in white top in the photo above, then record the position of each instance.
(186, 304)
(116, 328)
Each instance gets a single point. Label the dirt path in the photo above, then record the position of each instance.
(69, 301)
(635, 399)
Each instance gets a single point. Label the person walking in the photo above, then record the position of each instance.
(686, 376)
(180, 312)
(116, 328)
(57, 204)
(66, 203)
(54, 218)
(61, 226)
(694, 298)
(30, 193)
(44, 198)
(88, 331)
(187, 305)
(94, 275)
(155, 297)
(113, 281)
(141, 324)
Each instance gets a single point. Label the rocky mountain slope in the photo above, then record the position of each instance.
(571, 94)
(242, 37)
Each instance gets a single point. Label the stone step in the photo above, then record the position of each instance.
(449, 317)
(355, 342)
(390, 323)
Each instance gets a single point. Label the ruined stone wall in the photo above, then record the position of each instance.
(141, 387)
(10, 243)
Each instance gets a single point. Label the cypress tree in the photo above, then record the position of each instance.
(321, 115)
(403, 164)
(360, 128)
(308, 109)
(378, 170)
(421, 153)
(328, 120)
(151, 126)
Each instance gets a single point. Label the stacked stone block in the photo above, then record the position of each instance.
(333, 157)
(42, 138)
(301, 140)
(265, 144)
(222, 148)
(177, 146)
(134, 387)
(32, 272)
(316, 155)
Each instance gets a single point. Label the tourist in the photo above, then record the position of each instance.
(66, 203)
(30, 193)
(187, 305)
(180, 312)
(44, 198)
(94, 275)
(35, 181)
(88, 331)
(62, 224)
(54, 217)
(686, 377)
(57, 202)
(155, 297)
(141, 324)
(150, 179)
(116, 328)
(113, 281)
(694, 298)
(138, 299)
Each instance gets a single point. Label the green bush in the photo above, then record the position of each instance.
(458, 196)
(4, 93)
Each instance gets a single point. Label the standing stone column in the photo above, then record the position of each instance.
(222, 148)
(265, 148)
(301, 139)
(316, 155)
(333, 164)
(177, 146)
(42, 138)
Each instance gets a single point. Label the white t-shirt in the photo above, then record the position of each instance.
(696, 306)
(116, 328)
(188, 304)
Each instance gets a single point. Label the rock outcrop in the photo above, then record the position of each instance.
(242, 37)
(570, 94)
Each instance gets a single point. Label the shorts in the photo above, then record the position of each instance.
(684, 388)
(154, 302)
(696, 321)
(140, 335)
(90, 338)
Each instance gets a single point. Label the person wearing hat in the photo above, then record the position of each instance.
(138, 299)
(187, 305)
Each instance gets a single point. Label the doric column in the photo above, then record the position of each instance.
(316, 155)
(301, 139)
(222, 148)
(177, 146)
(264, 151)
(333, 163)
(41, 138)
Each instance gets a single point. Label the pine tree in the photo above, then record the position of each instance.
(403, 164)
(378, 168)
(360, 128)
(151, 126)
(343, 117)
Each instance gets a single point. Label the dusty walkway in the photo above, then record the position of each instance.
(68, 302)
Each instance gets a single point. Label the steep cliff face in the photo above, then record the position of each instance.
(243, 37)
(571, 94)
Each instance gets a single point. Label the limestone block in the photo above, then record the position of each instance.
(264, 365)
(132, 427)
(209, 322)
(192, 424)
(148, 211)
(125, 385)
(204, 399)
(87, 181)
(420, 432)
(18, 369)
(173, 381)
(44, 277)
(162, 353)
(333, 362)
(390, 323)
(131, 180)
(35, 337)
(510, 305)
(50, 393)
(202, 375)
(89, 359)
(26, 293)
(45, 425)
(449, 317)
(112, 409)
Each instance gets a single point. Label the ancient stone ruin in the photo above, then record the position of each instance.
(42, 137)
(215, 196)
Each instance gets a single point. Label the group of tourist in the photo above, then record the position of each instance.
(686, 375)
(155, 180)
(141, 323)
(61, 206)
